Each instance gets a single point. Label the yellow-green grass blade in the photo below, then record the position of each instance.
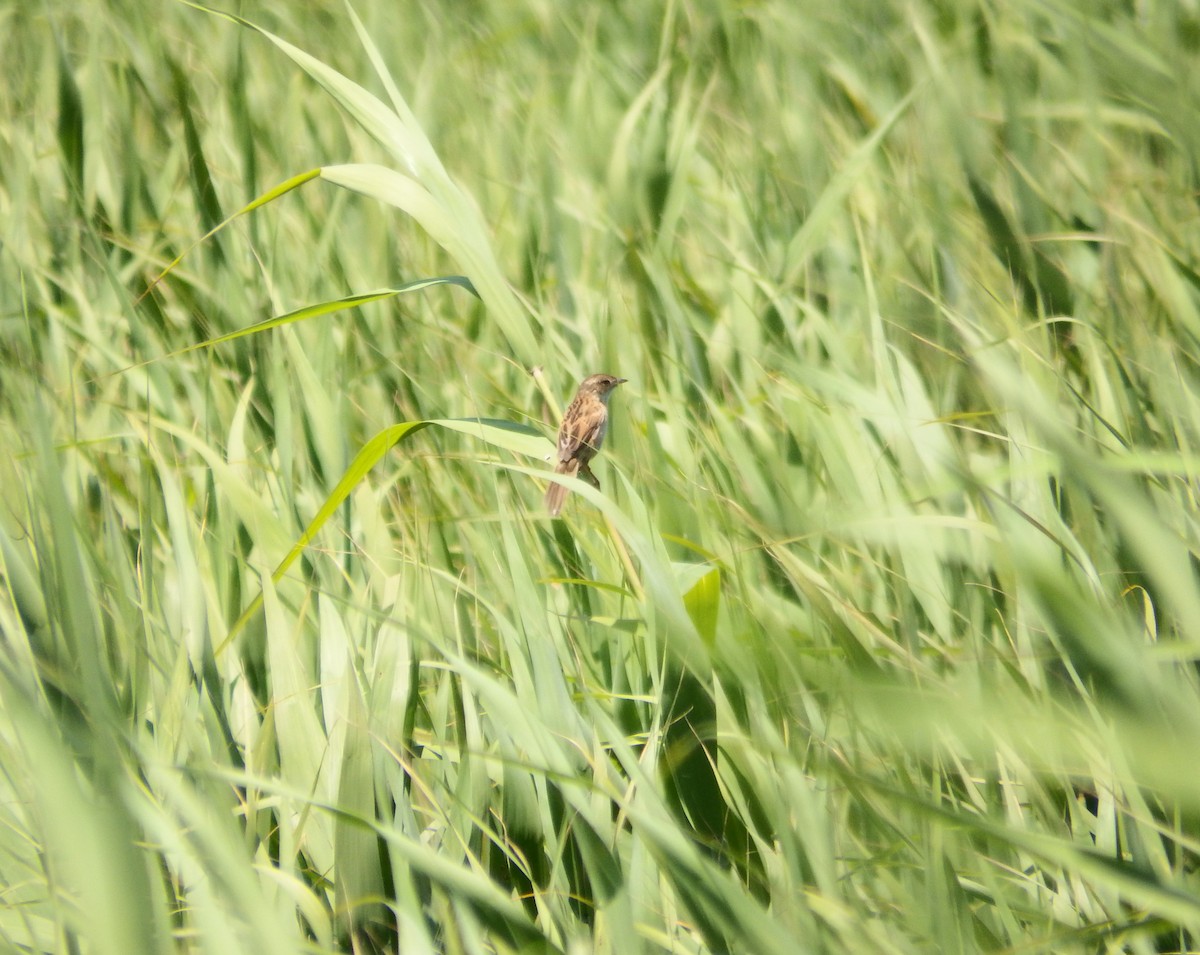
(503, 435)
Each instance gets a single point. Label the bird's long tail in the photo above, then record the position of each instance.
(557, 493)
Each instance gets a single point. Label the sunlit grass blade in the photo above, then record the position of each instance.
(503, 435)
(316, 311)
(270, 195)
(441, 207)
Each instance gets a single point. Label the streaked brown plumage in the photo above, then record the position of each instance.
(582, 432)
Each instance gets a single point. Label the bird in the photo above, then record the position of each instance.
(581, 434)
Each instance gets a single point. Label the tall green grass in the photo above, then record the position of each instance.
(879, 636)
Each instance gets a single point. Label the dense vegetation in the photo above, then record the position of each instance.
(879, 636)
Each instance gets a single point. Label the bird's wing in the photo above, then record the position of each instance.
(577, 431)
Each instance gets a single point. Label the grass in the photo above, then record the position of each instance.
(876, 638)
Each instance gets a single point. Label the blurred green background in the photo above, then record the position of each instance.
(877, 638)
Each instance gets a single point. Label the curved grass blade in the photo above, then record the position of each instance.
(423, 189)
(501, 434)
(811, 233)
(326, 308)
(269, 196)
(315, 311)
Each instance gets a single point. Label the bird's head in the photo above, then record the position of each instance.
(601, 385)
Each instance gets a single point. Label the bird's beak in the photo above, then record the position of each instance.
(620, 381)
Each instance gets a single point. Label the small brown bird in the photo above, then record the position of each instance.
(581, 434)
